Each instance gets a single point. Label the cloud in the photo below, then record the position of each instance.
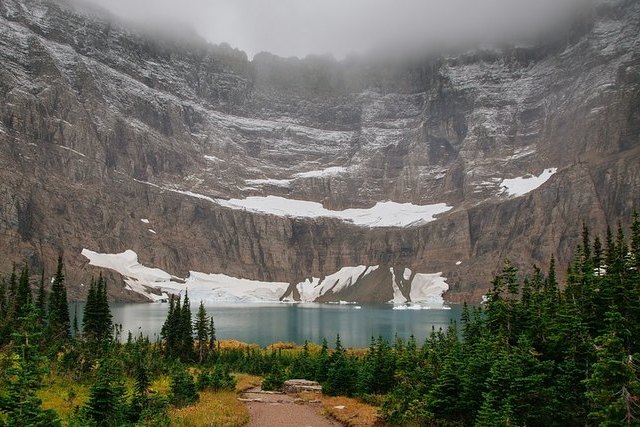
(339, 27)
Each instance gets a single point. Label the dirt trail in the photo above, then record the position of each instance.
(281, 410)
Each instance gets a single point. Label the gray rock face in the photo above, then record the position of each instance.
(102, 126)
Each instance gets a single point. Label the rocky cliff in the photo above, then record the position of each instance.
(103, 126)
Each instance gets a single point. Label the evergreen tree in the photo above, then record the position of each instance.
(23, 377)
(202, 331)
(341, 376)
(183, 388)
(613, 387)
(186, 330)
(59, 322)
(97, 324)
(105, 405)
(41, 300)
(322, 362)
(23, 296)
(212, 335)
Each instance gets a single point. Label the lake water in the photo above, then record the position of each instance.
(268, 323)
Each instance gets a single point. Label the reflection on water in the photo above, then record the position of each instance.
(268, 323)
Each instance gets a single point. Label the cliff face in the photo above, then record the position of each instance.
(102, 126)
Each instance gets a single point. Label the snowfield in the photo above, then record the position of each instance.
(382, 214)
(425, 289)
(523, 185)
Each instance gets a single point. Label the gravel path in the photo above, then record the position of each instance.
(282, 410)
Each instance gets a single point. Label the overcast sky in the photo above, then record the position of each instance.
(339, 27)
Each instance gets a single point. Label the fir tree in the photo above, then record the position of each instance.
(341, 376)
(41, 300)
(59, 322)
(105, 404)
(202, 331)
(97, 321)
(23, 296)
(186, 330)
(183, 388)
(212, 335)
(23, 378)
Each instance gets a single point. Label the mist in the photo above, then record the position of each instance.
(341, 27)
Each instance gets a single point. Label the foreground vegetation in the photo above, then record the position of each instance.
(535, 353)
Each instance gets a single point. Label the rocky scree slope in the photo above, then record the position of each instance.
(102, 126)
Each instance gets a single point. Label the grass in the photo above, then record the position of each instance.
(245, 381)
(213, 409)
(62, 394)
(219, 408)
(349, 411)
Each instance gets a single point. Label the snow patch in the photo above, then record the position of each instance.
(523, 185)
(426, 289)
(324, 173)
(144, 220)
(285, 183)
(151, 230)
(458, 262)
(383, 214)
(311, 289)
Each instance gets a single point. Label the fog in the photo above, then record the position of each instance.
(340, 27)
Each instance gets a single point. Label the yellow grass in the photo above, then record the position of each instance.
(354, 414)
(220, 409)
(245, 381)
(235, 345)
(62, 394)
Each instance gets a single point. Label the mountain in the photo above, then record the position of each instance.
(396, 177)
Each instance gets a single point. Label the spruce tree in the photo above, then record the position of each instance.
(23, 296)
(41, 300)
(23, 377)
(59, 322)
(202, 331)
(212, 335)
(3, 299)
(105, 404)
(186, 330)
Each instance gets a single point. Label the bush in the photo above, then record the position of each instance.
(183, 389)
(218, 378)
(274, 380)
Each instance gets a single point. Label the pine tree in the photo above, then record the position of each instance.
(186, 330)
(322, 362)
(90, 316)
(105, 319)
(613, 386)
(341, 376)
(212, 335)
(3, 299)
(24, 377)
(59, 322)
(97, 321)
(41, 300)
(23, 296)
(202, 331)
(635, 241)
(183, 388)
(105, 404)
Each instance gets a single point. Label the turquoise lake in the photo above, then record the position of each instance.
(264, 324)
